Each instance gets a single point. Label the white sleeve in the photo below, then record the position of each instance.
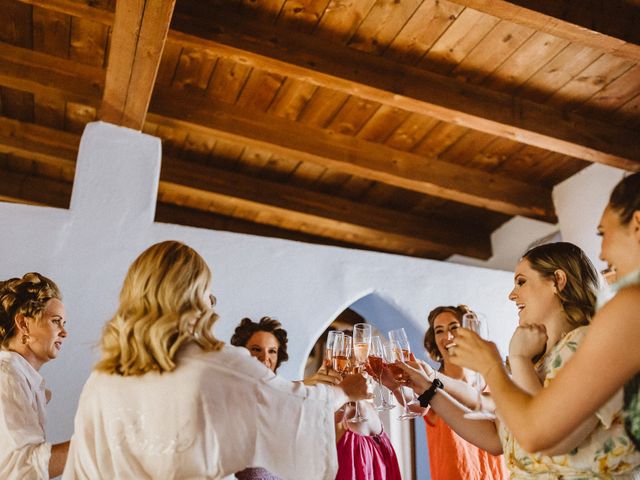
(282, 426)
(23, 450)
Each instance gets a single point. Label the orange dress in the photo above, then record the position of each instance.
(453, 458)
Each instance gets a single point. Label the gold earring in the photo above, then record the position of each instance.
(25, 339)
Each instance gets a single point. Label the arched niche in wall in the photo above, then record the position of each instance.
(384, 315)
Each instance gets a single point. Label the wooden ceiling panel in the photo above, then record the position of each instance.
(51, 32)
(16, 21)
(17, 104)
(34, 190)
(291, 99)
(439, 138)
(494, 49)
(259, 91)
(609, 101)
(422, 30)
(558, 72)
(49, 110)
(340, 20)
(227, 80)
(383, 81)
(278, 169)
(264, 10)
(193, 70)
(78, 115)
(411, 132)
(168, 63)
(301, 16)
(589, 82)
(610, 26)
(465, 151)
(88, 41)
(382, 24)
(537, 51)
(352, 116)
(198, 147)
(306, 174)
(460, 38)
(322, 107)
(382, 124)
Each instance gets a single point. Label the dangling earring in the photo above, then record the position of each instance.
(25, 339)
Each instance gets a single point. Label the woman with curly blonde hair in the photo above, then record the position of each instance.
(169, 400)
(32, 330)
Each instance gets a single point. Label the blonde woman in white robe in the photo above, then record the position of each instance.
(168, 400)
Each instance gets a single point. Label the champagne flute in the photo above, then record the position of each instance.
(342, 354)
(472, 321)
(399, 337)
(377, 364)
(393, 353)
(361, 346)
(328, 350)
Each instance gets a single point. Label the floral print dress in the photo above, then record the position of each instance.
(607, 452)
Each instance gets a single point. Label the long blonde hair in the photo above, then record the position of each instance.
(162, 306)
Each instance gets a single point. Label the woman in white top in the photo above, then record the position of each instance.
(168, 400)
(32, 329)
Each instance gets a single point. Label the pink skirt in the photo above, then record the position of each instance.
(362, 457)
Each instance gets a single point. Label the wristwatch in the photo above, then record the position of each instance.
(428, 394)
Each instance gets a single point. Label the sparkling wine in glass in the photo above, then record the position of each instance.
(328, 351)
(472, 321)
(377, 365)
(393, 353)
(342, 354)
(361, 347)
(399, 337)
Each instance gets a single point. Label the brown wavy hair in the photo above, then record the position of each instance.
(162, 307)
(248, 327)
(578, 297)
(29, 296)
(430, 344)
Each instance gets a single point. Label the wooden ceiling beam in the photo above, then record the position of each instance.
(340, 152)
(209, 219)
(352, 155)
(34, 190)
(574, 21)
(27, 70)
(139, 34)
(75, 9)
(276, 204)
(52, 147)
(374, 78)
(264, 202)
(302, 57)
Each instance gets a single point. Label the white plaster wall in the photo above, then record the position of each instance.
(88, 249)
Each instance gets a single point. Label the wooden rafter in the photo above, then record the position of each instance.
(353, 156)
(268, 203)
(34, 190)
(75, 9)
(347, 154)
(573, 21)
(41, 73)
(374, 78)
(139, 33)
(276, 204)
(301, 57)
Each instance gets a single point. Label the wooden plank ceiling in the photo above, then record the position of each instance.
(414, 127)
